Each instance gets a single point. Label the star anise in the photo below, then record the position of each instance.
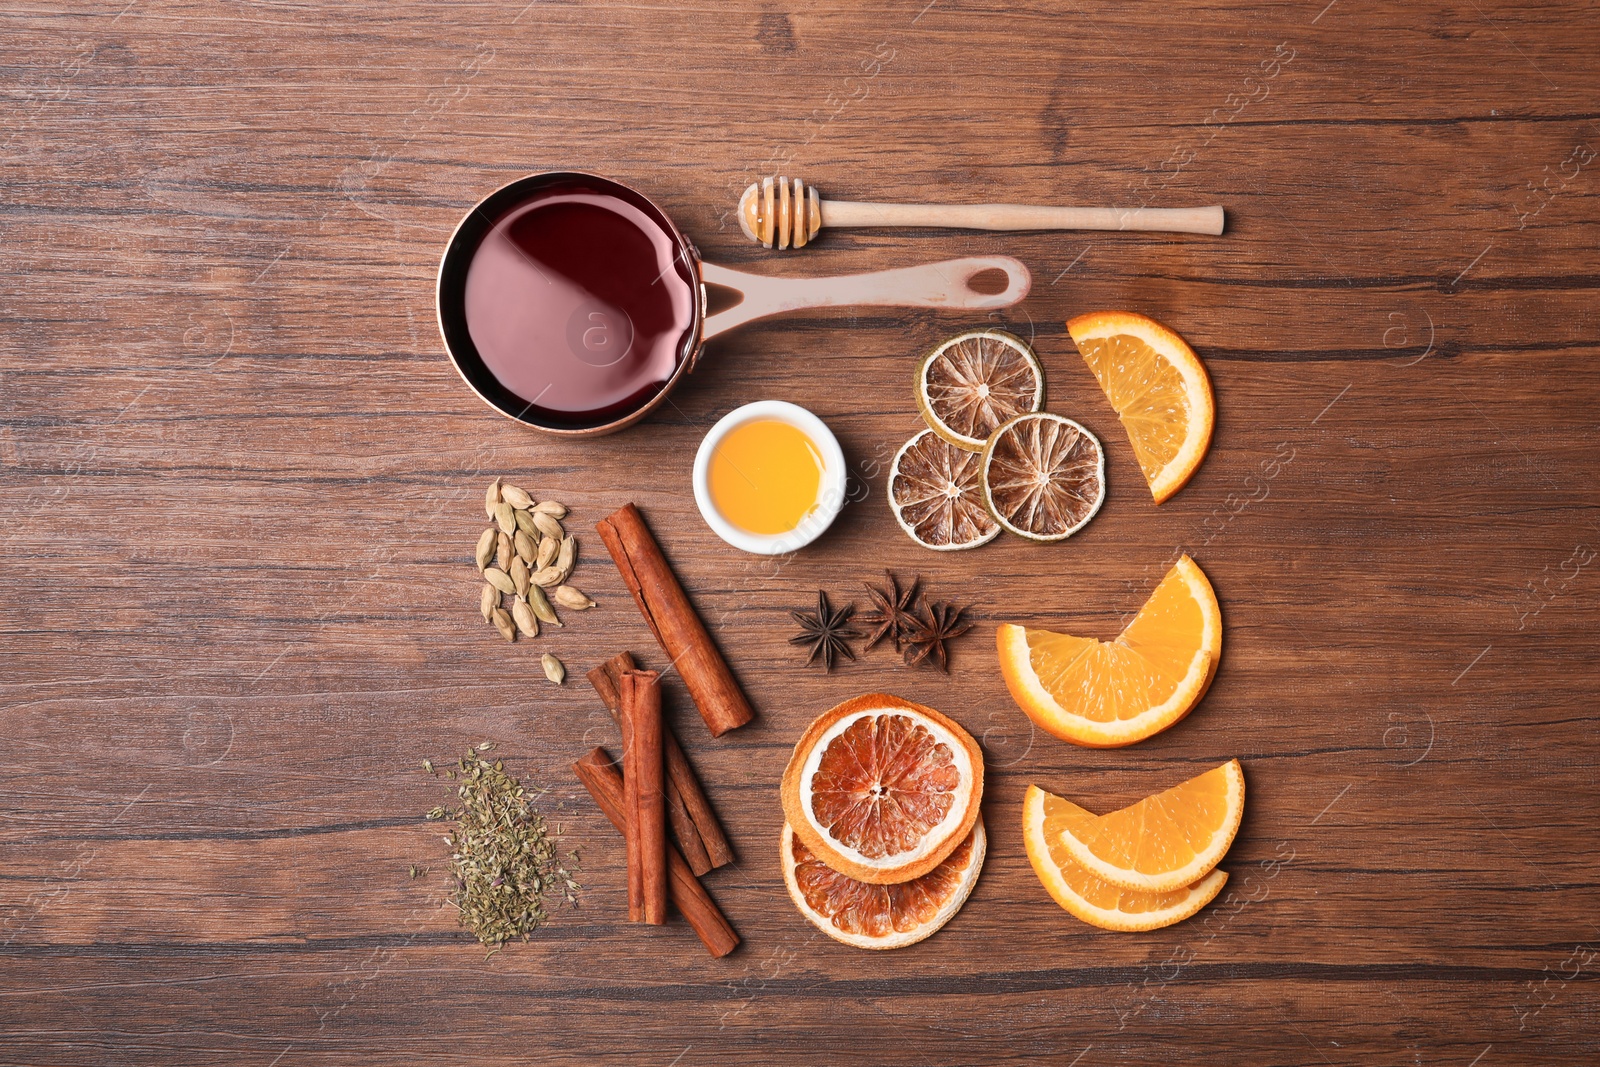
(827, 631)
(892, 615)
(934, 623)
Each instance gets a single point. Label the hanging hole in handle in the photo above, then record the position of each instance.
(991, 281)
(721, 298)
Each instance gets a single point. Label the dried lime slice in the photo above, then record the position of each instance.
(1044, 476)
(934, 492)
(974, 382)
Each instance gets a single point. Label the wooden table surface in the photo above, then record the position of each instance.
(239, 485)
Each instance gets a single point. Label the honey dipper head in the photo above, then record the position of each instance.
(781, 211)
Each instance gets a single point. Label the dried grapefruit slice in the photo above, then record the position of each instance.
(1094, 900)
(880, 916)
(1104, 694)
(881, 789)
(1044, 476)
(1164, 842)
(974, 382)
(1159, 388)
(934, 493)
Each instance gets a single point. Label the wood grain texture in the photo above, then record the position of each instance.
(240, 484)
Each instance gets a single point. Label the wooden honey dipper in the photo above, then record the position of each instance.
(781, 212)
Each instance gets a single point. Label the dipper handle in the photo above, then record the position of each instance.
(782, 212)
(1024, 217)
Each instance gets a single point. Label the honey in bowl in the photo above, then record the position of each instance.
(765, 476)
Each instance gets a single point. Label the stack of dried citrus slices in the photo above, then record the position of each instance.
(990, 458)
(883, 840)
(993, 459)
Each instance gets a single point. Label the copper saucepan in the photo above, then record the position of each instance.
(572, 304)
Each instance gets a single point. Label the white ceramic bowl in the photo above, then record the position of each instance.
(830, 493)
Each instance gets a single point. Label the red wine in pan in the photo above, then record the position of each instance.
(580, 304)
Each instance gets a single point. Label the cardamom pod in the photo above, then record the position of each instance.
(548, 576)
(502, 552)
(525, 547)
(485, 550)
(504, 517)
(554, 669)
(515, 496)
(488, 600)
(525, 523)
(541, 606)
(519, 576)
(568, 554)
(548, 526)
(548, 547)
(571, 597)
(524, 618)
(491, 498)
(500, 580)
(551, 508)
(502, 622)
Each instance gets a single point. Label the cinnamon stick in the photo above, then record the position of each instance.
(691, 818)
(673, 620)
(645, 778)
(600, 776)
(679, 821)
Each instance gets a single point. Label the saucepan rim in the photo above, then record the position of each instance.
(458, 254)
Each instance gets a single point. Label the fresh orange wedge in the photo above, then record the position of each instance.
(1159, 388)
(1164, 842)
(1092, 899)
(1109, 693)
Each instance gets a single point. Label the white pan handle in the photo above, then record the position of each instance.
(937, 285)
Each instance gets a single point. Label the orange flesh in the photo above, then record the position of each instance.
(1106, 681)
(1060, 814)
(883, 784)
(1163, 832)
(878, 910)
(1148, 393)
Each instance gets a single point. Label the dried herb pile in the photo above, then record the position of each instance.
(503, 858)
